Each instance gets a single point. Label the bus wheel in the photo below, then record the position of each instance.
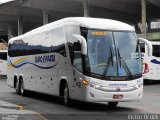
(23, 91)
(18, 91)
(112, 104)
(66, 96)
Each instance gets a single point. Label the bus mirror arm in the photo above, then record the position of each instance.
(83, 43)
(149, 45)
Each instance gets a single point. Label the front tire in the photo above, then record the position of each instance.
(66, 98)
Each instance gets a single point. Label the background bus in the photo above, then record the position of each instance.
(3, 57)
(151, 63)
(86, 59)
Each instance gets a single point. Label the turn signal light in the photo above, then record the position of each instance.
(85, 82)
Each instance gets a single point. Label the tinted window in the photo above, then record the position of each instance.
(52, 41)
(156, 50)
(3, 56)
(70, 30)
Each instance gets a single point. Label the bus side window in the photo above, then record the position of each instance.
(77, 59)
(70, 30)
(156, 50)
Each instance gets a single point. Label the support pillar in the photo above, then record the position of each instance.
(45, 17)
(144, 26)
(10, 31)
(20, 25)
(86, 8)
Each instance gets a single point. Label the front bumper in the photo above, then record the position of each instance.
(95, 95)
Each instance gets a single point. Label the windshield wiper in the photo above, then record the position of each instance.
(123, 63)
(109, 61)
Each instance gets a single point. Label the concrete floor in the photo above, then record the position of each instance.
(44, 107)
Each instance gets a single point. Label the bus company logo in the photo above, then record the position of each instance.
(118, 84)
(45, 58)
(118, 89)
(24, 61)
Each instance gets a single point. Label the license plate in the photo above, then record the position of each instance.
(117, 96)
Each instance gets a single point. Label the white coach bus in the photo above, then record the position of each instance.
(85, 59)
(151, 60)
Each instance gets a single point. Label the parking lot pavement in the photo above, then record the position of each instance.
(37, 106)
(10, 111)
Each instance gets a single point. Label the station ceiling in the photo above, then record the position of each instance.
(124, 10)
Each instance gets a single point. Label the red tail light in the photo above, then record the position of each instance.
(146, 68)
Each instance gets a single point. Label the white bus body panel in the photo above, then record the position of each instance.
(37, 77)
(3, 67)
(3, 63)
(154, 68)
(153, 65)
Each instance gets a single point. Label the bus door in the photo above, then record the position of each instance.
(77, 71)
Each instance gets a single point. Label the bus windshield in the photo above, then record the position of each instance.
(113, 54)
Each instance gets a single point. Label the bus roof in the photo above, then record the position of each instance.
(95, 23)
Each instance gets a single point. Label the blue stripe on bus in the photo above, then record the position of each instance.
(155, 61)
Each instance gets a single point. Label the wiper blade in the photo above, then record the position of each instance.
(106, 68)
(111, 55)
(123, 63)
(110, 60)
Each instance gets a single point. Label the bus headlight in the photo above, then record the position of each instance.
(138, 86)
(95, 85)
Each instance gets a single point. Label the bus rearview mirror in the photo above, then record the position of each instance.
(149, 45)
(83, 43)
(77, 46)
